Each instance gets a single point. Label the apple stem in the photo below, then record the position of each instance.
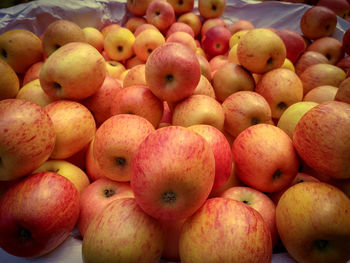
(120, 161)
(109, 192)
(169, 197)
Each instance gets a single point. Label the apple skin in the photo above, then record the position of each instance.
(193, 20)
(216, 41)
(204, 87)
(9, 81)
(211, 8)
(340, 7)
(172, 72)
(265, 158)
(291, 116)
(239, 25)
(331, 47)
(307, 59)
(318, 21)
(321, 94)
(161, 14)
(32, 91)
(20, 48)
(260, 202)
(261, 50)
(346, 41)
(75, 71)
(294, 42)
(135, 76)
(225, 230)
(32, 73)
(179, 27)
(199, 109)
(182, 178)
(118, 44)
(101, 102)
(98, 195)
(137, 7)
(281, 88)
(146, 42)
(321, 139)
(138, 100)
(72, 172)
(313, 222)
(115, 143)
(183, 38)
(123, 232)
(74, 126)
(244, 109)
(181, 7)
(343, 93)
(94, 37)
(27, 138)
(60, 33)
(37, 214)
(221, 150)
(134, 22)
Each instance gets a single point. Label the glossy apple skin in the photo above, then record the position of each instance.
(38, 214)
(123, 232)
(161, 14)
(294, 42)
(172, 172)
(27, 138)
(216, 41)
(225, 230)
(98, 195)
(313, 222)
(322, 141)
(265, 158)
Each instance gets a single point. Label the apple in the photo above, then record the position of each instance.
(240, 24)
(344, 64)
(211, 8)
(330, 47)
(133, 61)
(294, 42)
(27, 138)
(321, 74)
(313, 222)
(93, 169)
(167, 117)
(216, 41)
(205, 66)
(260, 202)
(288, 65)
(193, 20)
(101, 102)
(138, 100)
(32, 91)
(343, 92)
(144, 27)
(346, 41)
(75, 71)
(225, 230)
(204, 87)
(32, 73)
(179, 27)
(236, 37)
(123, 232)
(221, 150)
(182, 38)
(74, 126)
(114, 69)
(161, 14)
(97, 196)
(172, 72)
(261, 50)
(108, 28)
(181, 7)
(291, 116)
(116, 142)
(211, 22)
(135, 76)
(37, 214)
(340, 7)
(137, 7)
(181, 176)
(60, 33)
(9, 81)
(118, 44)
(94, 37)
(20, 48)
(146, 42)
(265, 158)
(307, 59)
(321, 138)
(231, 78)
(281, 88)
(134, 22)
(217, 62)
(199, 109)
(244, 109)
(318, 21)
(321, 94)
(72, 172)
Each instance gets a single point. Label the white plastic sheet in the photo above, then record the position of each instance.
(36, 15)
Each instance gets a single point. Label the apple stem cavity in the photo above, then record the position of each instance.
(269, 61)
(4, 53)
(213, 7)
(120, 161)
(109, 192)
(120, 48)
(321, 244)
(282, 105)
(277, 174)
(255, 121)
(246, 202)
(24, 234)
(169, 197)
(180, 2)
(169, 78)
(57, 86)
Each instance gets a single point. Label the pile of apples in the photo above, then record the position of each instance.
(177, 137)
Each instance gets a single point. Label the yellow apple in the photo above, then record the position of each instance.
(32, 91)
(94, 37)
(146, 42)
(9, 82)
(193, 20)
(118, 44)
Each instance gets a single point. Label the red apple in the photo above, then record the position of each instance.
(343, 92)
(239, 25)
(161, 14)
(340, 7)
(179, 27)
(346, 41)
(307, 59)
(216, 41)
(172, 172)
(32, 73)
(294, 42)
(37, 214)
